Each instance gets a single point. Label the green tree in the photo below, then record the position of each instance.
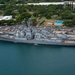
(34, 21)
(8, 12)
(67, 14)
(25, 15)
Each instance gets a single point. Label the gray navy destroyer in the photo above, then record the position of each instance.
(38, 35)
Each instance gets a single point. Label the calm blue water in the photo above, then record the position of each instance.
(24, 59)
(58, 22)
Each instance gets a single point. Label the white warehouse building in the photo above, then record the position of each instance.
(50, 3)
(5, 17)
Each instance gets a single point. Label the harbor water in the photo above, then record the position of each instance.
(26, 59)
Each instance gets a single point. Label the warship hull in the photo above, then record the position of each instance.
(36, 42)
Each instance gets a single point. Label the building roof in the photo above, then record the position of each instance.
(5, 17)
(50, 3)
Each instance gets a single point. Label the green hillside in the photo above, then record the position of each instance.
(25, 1)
